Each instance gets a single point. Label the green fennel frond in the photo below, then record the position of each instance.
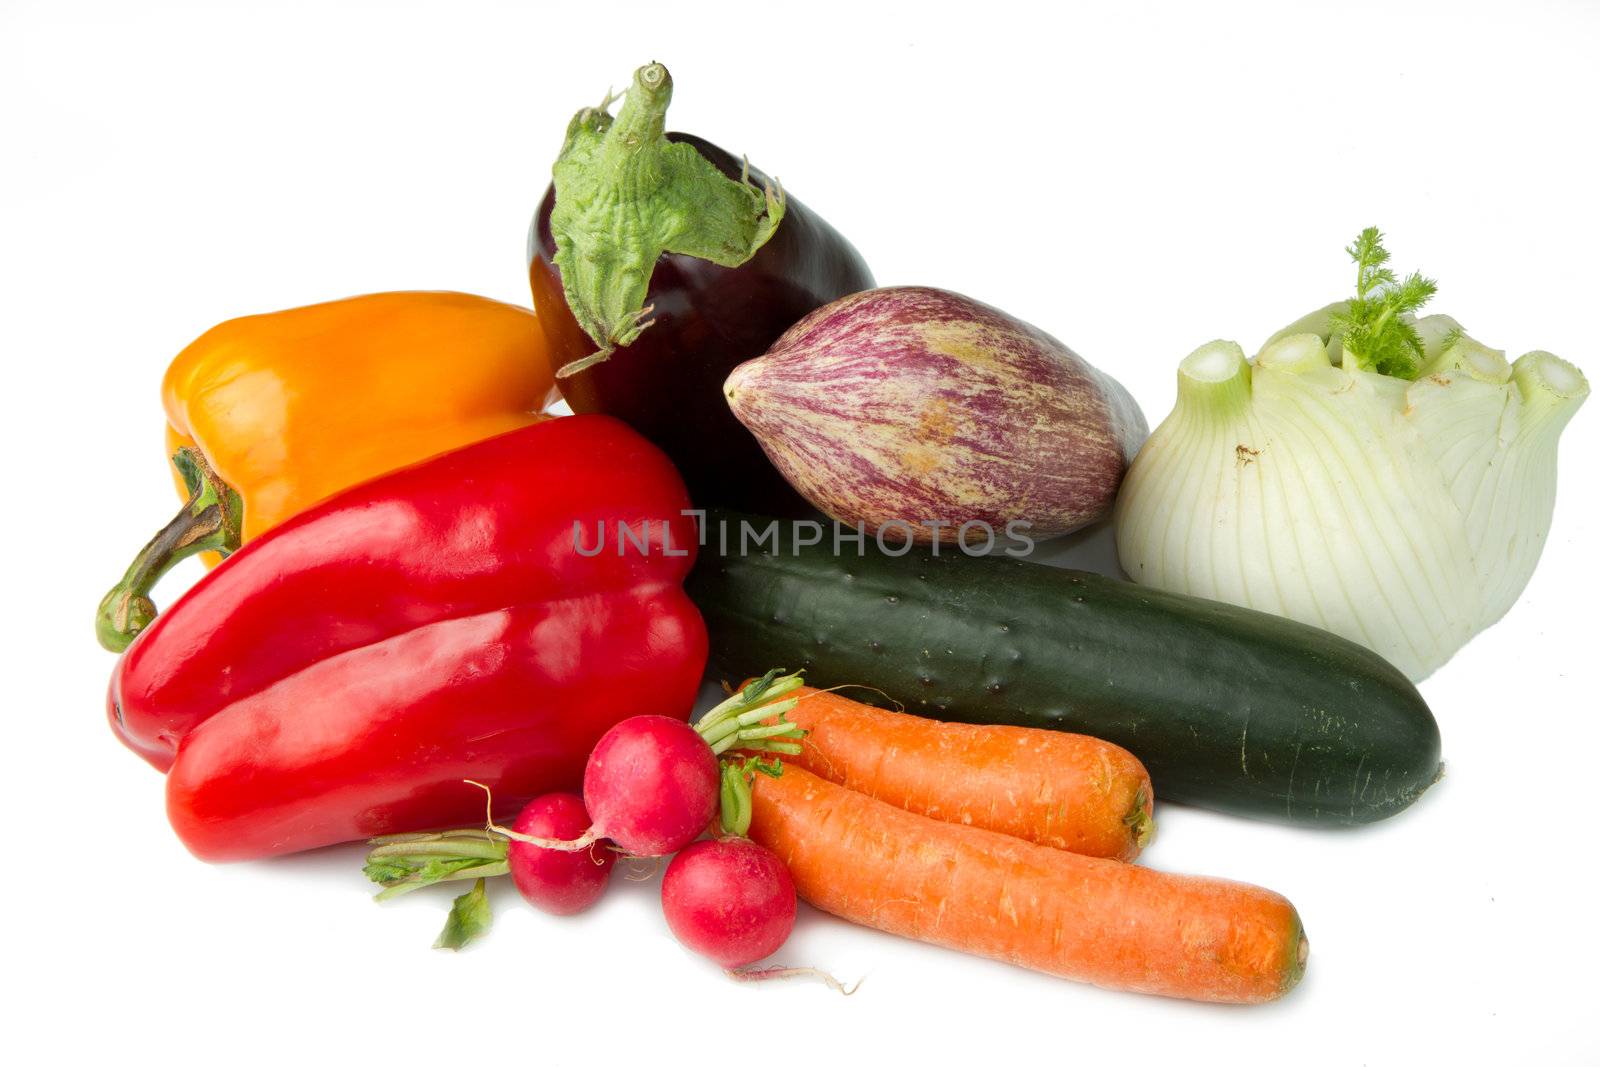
(1377, 329)
(1370, 257)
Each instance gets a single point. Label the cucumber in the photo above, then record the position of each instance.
(1228, 708)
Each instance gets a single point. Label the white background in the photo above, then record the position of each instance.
(1137, 179)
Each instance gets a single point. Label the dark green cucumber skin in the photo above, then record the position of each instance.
(1230, 709)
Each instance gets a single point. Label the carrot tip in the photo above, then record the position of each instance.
(1297, 967)
(1140, 822)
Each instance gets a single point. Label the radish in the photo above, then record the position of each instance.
(561, 880)
(561, 883)
(729, 899)
(653, 784)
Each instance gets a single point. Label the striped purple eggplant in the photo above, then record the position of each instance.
(919, 406)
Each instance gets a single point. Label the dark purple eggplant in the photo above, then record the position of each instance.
(682, 262)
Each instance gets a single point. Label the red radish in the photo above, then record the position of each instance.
(561, 883)
(730, 900)
(653, 784)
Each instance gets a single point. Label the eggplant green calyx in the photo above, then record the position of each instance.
(625, 195)
(1378, 326)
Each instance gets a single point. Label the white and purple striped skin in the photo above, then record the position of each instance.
(918, 404)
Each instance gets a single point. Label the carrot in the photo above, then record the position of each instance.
(1116, 925)
(1062, 790)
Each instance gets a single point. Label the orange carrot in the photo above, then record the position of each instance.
(1116, 925)
(1057, 789)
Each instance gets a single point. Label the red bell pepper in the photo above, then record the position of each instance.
(341, 675)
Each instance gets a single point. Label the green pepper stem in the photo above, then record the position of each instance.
(211, 521)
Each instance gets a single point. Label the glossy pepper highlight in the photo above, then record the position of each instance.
(658, 263)
(339, 677)
(268, 414)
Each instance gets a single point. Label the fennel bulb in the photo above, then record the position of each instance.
(1406, 515)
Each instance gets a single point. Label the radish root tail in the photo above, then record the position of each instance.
(763, 974)
(641, 868)
(588, 839)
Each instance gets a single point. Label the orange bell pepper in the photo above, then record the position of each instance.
(269, 414)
